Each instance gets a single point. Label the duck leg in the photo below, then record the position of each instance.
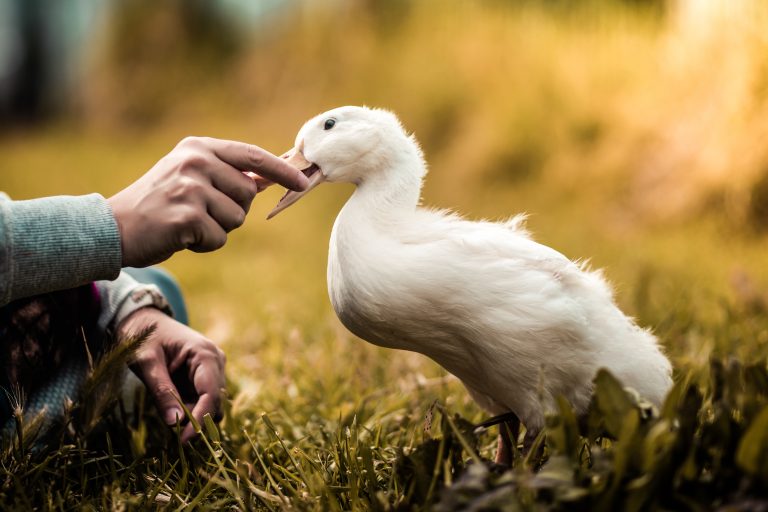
(508, 433)
(509, 430)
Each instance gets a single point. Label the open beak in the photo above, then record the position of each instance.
(295, 157)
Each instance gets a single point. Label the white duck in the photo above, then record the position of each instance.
(516, 321)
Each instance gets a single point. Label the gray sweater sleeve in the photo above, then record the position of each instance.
(55, 243)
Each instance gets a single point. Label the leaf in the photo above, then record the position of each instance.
(268, 422)
(563, 430)
(557, 471)
(613, 402)
(211, 429)
(752, 453)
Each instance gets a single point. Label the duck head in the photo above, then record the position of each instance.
(350, 145)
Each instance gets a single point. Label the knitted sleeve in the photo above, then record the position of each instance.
(55, 243)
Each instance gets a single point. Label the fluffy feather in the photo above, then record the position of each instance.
(516, 321)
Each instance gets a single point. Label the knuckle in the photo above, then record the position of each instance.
(219, 241)
(245, 195)
(211, 242)
(251, 189)
(190, 141)
(239, 219)
(207, 345)
(209, 359)
(187, 188)
(146, 356)
(165, 392)
(140, 361)
(193, 162)
(205, 358)
(209, 349)
(190, 218)
(255, 156)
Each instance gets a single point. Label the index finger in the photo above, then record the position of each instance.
(249, 158)
(208, 380)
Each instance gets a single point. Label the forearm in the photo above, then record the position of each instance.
(56, 243)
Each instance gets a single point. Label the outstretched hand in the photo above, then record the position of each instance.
(193, 197)
(177, 363)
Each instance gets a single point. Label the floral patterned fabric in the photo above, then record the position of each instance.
(37, 334)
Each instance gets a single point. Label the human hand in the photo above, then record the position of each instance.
(177, 362)
(193, 197)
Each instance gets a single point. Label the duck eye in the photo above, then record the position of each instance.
(329, 123)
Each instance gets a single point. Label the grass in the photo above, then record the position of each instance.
(643, 165)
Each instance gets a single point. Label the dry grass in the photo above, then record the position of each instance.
(634, 138)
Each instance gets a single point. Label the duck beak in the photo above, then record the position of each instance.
(295, 157)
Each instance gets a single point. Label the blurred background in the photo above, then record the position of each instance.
(634, 132)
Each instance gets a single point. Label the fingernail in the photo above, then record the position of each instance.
(172, 416)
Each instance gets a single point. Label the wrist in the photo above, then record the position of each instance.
(140, 319)
(143, 297)
(114, 207)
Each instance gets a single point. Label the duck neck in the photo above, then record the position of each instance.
(391, 193)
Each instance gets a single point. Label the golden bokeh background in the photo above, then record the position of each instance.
(634, 133)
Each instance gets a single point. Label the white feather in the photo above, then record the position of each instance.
(516, 321)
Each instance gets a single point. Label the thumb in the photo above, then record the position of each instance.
(261, 183)
(164, 393)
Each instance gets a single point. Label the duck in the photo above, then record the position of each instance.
(517, 322)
